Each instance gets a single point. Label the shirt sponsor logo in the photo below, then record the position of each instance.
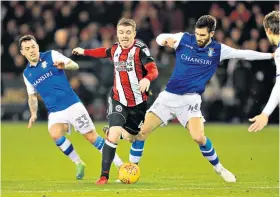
(42, 78)
(196, 60)
(123, 66)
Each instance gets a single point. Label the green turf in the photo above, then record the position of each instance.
(172, 165)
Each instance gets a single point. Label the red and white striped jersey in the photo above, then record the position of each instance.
(129, 70)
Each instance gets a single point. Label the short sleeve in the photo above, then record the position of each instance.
(29, 87)
(56, 56)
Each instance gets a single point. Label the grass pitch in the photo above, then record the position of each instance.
(32, 166)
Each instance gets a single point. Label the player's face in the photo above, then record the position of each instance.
(30, 50)
(202, 36)
(126, 35)
(269, 35)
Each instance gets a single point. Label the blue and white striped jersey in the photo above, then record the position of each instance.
(51, 83)
(195, 66)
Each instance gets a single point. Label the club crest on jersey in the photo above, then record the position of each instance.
(210, 52)
(118, 108)
(44, 64)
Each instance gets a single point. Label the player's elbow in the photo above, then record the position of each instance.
(160, 40)
(75, 65)
(72, 66)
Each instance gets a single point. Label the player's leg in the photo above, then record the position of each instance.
(57, 131)
(133, 124)
(158, 114)
(83, 123)
(190, 115)
(117, 114)
(98, 142)
(109, 152)
(196, 128)
(152, 121)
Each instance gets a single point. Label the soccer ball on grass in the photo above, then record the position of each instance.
(129, 173)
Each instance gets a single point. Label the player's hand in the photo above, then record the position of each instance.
(260, 122)
(31, 121)
(78, 51)
(170, 42)
(59, 64)
(273, 55)
(144, 85)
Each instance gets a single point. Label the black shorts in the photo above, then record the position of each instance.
(130, 118)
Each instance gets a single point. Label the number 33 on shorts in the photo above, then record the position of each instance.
(83, 121)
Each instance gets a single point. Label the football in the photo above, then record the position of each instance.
(129, 173)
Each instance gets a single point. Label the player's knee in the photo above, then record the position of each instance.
(199, 138)
(91, 136)
(57, 131)
(115, 134)
(146, 129)
(55, 134)
(128, 137)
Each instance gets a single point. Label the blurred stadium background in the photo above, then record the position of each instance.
(239, 89)
(32, 165)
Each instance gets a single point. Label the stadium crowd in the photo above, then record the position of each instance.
(240, 88)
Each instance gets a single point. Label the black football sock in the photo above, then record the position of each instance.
(108, 154)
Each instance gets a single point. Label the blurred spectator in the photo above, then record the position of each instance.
(85, 95)
(240, 13)
(63, 26)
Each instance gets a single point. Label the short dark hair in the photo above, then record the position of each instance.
(26, 38)
(271, 21)
(206, 21)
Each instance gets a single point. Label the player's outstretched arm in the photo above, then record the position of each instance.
(231, 53)
(97, 53)
(170, 40)
(71, 65)
(33, 106)
(261, 120)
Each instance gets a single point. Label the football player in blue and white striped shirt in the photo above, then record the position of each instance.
(197, 58)
(44, 75)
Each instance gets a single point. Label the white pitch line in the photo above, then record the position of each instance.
(134, 189)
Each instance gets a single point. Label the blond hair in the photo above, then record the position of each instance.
(127, 22)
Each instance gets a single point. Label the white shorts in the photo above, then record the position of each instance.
(75, 115)
(183, 107)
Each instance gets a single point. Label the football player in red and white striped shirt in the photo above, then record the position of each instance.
(134, 69)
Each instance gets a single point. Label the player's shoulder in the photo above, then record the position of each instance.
(45, 54)
(216, 43)
(115, 45)
(140, 44)
(48, 52)
(185, 37)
